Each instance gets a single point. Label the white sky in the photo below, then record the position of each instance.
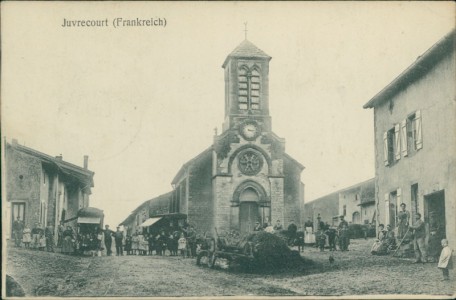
(143, 101)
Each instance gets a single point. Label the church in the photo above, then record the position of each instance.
(245, 176)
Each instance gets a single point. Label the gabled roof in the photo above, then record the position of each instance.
(190, 163)
(67, 168)
(420, 67)
(163, 197)
(247, 49)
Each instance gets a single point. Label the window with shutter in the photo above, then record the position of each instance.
(414, 133)
(399, 196)
(385, 148)
(404, 138)
(419, 136)
(397, 142)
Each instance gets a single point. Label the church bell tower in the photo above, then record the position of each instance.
(247, 87)
(247, 174)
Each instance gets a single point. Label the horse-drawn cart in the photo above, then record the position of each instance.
(231, 247)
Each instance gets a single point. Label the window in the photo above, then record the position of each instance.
(345, 210)
(412, 130)
(391, 202)
(249, 88)
(403, 140)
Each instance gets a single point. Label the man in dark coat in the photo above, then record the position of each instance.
(191, 240)
(49, 234)
(292, 229)
(118, 239)
(18, 228)
(344, 239)
(108, 240)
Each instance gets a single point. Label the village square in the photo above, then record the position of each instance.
(236, 219)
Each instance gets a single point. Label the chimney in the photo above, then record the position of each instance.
(59, 157)
(86, 162)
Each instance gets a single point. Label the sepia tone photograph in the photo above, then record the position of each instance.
(228, 149)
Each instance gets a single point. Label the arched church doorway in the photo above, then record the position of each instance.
(248, 209)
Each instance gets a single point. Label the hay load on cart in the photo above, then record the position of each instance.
(257, 251)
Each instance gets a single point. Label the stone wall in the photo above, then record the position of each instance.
(23, 177)
(200, 203)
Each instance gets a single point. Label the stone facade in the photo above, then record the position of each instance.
(245, 176)
(43, 189)
(415, 139)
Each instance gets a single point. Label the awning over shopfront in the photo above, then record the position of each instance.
(150, 222)
(89, 220)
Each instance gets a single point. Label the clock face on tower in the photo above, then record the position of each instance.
(249, 130)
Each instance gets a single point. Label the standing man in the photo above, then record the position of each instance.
(49, 234)
(292, 229)
(108, 240)
(118, 239)
(191, 241)
(344, 239)
(419, 241)
(18, 229)
(403, 218)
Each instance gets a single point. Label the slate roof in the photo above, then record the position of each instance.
(67, 168)
(247, 49)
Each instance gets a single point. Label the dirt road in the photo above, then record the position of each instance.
(354, 273)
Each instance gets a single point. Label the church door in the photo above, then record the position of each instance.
(248, 215)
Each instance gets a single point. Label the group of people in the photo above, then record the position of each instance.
(179, 241)
(69, 240)
(37, 238)
(328, 235)
(425, 238)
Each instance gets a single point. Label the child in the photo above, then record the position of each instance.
(42, 242)
(182, 245)
(27, 237)
(321, 240)
(445, 262)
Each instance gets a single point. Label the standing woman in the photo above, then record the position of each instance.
(141, 244)
(68, 241)
(27, 236)
(134, 243)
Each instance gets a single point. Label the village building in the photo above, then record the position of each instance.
(245, 176)
(41, 188)
(415, 140)
(151, 215)
(356, 203)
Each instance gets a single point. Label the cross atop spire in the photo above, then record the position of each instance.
(245, 29)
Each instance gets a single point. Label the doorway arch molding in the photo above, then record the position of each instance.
(263, 199)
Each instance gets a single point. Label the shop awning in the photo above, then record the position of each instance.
(150, 221)
(89, 220)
